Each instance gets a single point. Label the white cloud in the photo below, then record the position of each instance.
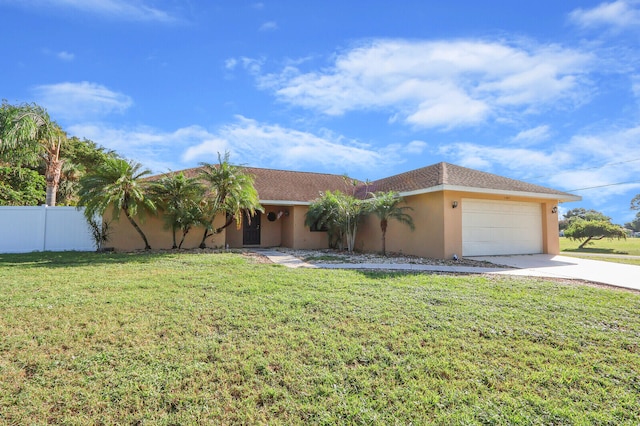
(73, 101)
(635, 85)
(136, 10)
(271, 145)
(269, 26)
(534, 135)
(521, 161)
(438, 83)
(231, 64)
(62, 55)
(65, 56)
(153, 147)
(249, 142)
(252, 66)
(416, 147)
(583, 162)
(619, 14)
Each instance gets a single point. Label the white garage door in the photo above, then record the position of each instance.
(500, 227)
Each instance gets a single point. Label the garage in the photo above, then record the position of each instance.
(500, 227)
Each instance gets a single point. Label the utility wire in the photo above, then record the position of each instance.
(604, 186)
(587, 168)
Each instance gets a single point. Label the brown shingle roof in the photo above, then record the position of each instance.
(283, 185)
(445, 174)
(289, 186)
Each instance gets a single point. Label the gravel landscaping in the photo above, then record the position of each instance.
(337, 256)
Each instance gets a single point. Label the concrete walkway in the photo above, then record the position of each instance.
(535, 265)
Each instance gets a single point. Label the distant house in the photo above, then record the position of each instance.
(456, 210)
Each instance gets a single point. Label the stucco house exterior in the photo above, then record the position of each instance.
(456, 210)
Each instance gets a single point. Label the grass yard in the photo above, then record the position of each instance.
(630, 246)
(217, 339)
(626, 261)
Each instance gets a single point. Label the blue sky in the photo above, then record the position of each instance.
(546, 91)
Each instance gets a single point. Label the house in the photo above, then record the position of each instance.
(456, 210)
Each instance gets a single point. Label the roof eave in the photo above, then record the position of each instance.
(284, 203)
(560, 197)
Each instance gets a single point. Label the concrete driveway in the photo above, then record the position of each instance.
(545, 265)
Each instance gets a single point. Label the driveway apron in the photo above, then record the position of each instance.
(555, 266)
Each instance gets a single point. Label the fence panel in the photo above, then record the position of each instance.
(27, 229)
(21, 229)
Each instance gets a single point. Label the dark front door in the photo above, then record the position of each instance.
(251, 230)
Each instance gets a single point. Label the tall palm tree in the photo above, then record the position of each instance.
(179, 198)
(231, 192)
(386, 206)
(117, 183)
(28, 135)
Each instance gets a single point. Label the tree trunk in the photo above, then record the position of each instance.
(173, 232)
(383, 227)
(229, 221)
(184, 235)
(137, 228)
(52, 176)
(584, 243)
(203, 244)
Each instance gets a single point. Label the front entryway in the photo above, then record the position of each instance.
(251, 230)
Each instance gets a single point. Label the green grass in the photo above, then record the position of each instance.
(215, 339)
(630, 246)
(626, 261)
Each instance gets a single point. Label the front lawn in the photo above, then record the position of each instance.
(217, 339)
(630, 246)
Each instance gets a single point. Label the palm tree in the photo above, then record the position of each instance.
(339, 213)
(231, 192)
(190, 217)
(28, 135)
(323, 214)
(117, 183)
(179, 198)
(385, 205)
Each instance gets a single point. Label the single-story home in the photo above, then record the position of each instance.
(456, 210)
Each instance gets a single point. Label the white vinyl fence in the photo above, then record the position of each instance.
(27, 229)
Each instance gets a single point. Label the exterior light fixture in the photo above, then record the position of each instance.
(554, 210)
(454, 204)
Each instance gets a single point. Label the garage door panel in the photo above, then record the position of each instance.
(500, 227)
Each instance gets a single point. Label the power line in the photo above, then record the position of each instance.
(604, 186)
(587, 168)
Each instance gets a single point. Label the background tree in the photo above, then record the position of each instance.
(21, 187)
(117, 183)
(581, 213)
(231, 192)
(587, 231)
(80, 157)
(179, 198)
(634, 224)
(386, 206)
(28, 135)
